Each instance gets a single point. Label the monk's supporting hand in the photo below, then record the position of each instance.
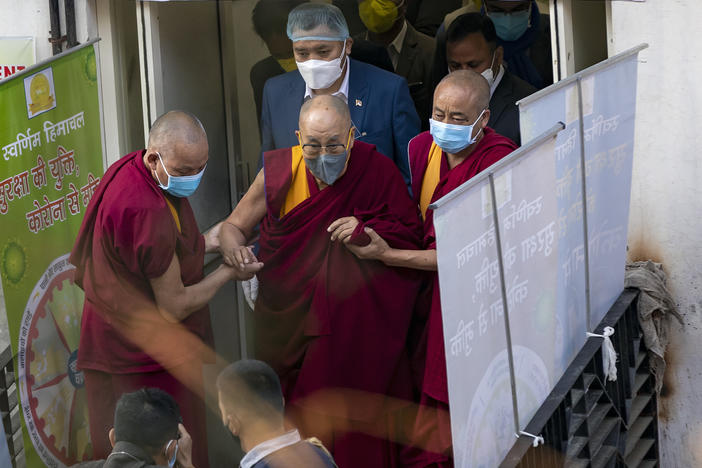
(212, 238)
(243, 257)
(245, 272)
(342, 228)
(233, 248)
(374, 250)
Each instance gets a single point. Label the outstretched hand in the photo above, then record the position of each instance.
(374, 250)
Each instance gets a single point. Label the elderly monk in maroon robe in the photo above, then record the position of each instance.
(332, 326)
(441, 160)
(139, 258)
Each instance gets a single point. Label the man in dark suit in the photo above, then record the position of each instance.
(410, 51)
(472, 45)
(381, 108)
(522, 31)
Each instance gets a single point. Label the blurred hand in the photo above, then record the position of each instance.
(185, 448)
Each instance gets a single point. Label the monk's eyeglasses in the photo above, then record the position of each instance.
(311, 149)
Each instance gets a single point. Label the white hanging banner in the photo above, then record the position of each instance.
(480, 387)
(608, 106)
(543, 216)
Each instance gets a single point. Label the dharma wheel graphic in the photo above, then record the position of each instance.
(52, 390)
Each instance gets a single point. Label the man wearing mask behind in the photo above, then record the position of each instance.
(525, 35)
(381, 108)
(472, 45)
(522, 32)
(409, 50)
(139, 258)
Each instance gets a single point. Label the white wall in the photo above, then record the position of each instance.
(31, 18)
(27, 18)
(666, 211)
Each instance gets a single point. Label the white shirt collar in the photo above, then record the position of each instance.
(343, 90)
(498, 78)
(400, 38)
(264, 449)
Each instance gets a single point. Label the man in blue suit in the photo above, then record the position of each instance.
(381, 107)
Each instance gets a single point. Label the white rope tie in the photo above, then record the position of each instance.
(538, 440)
(609, 356)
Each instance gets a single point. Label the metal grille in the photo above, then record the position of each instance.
(588, 422)
(10, 410)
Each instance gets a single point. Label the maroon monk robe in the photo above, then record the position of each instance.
(433, 428)
(334, 326)
(129, 236)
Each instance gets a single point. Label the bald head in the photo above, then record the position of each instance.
(325, 106)
(179, 140)
(473, 86)
(325, 120)
(176, 127)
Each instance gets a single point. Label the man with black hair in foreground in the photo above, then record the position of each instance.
(148, 432)
(252, 407)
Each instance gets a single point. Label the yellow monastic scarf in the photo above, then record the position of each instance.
(299, 190)
(174, 212)
(431, 178)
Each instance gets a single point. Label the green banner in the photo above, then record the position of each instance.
(50, 165)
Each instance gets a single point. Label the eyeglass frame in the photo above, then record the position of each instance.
(325, 147)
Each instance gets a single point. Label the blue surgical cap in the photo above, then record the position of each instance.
(317, 22)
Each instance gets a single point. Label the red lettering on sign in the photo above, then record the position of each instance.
(7, 70)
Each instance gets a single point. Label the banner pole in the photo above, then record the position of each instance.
(505, 308)
(583, 181)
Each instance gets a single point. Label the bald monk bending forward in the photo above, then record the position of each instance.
(139, 258)
(332, 326)
(458, 146)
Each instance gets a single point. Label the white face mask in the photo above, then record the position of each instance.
(488, 73)
(320, 74)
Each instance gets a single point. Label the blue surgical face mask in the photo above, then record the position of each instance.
(181, 186)
(511, 26)
(453, 138)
